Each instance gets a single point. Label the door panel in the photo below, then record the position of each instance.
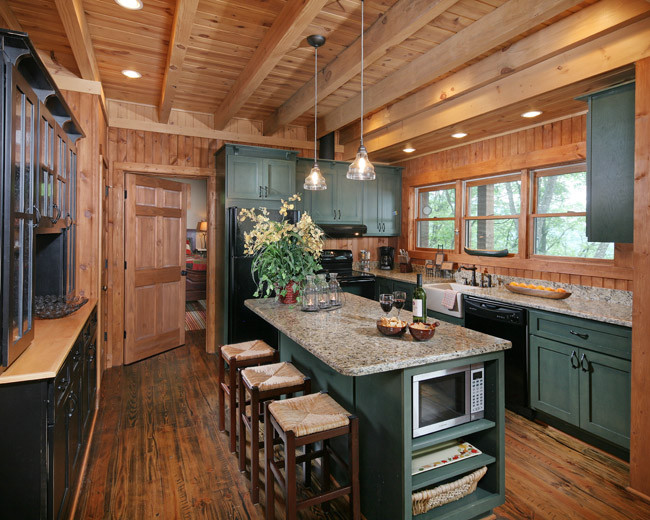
(155, 253)
(320, 204)
(605, 397)
(349, 197)
(244, 177)
(280, 179)
(390, 191)
(554, 381)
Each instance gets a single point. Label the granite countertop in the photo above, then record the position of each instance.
(347, 339)
(599, 310)
(598, 306)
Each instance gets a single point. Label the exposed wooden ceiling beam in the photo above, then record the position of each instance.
(600, 56)
(9, 16)
(287, 28)
(493, 29)
(585, 25)
(180, 38)
(396, 25)
(74, 22)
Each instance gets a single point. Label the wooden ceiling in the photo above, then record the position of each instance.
(425, 60)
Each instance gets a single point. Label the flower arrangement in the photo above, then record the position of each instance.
(284, 253)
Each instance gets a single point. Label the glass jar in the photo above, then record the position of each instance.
(323, 291)
(310, 295)
(336, 298)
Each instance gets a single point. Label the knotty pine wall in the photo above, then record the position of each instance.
(545, 145)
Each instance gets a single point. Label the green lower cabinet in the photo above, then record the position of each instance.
(605, 397)
(383, 286)
(582, 387)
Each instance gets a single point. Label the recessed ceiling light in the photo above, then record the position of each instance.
(459, 135)
(409, 149)
(130, 4)
(532, 113)
(131, 73)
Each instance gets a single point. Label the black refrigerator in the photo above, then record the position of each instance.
(243, 324)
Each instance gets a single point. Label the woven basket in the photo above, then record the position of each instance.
(426, 500)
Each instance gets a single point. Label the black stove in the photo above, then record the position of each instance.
(339, 261)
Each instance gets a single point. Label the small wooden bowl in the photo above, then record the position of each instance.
(391, 331)
(423, 334)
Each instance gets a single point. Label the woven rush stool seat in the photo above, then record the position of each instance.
(238, 356)
(309, 414)
(263, 383)
(302, 421)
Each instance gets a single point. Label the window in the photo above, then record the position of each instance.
(436, 218)
(559, 214)
(492, 208)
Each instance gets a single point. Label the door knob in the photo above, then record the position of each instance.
(104, 288)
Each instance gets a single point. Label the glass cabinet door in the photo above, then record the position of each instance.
(45, 186)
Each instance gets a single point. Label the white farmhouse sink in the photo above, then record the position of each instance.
(435, 293)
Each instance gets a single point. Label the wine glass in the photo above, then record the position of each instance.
(386, 302)
(399, 299)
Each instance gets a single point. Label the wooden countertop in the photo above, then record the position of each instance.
(53, 340)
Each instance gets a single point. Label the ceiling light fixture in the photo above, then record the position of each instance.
(459, 135)
(131, 74)
(409, 149)
(134, 5)
(315, 180)
(532, 113)
(361, 169)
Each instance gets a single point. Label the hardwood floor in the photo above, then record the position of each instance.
(157, 453)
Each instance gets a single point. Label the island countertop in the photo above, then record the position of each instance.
(347, 338)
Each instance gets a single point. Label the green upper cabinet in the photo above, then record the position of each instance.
(259, 174)
(610, 165)
(341, 202)
(382, 201)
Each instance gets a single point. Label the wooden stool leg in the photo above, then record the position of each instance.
(306, 467)
(269, 478)
(242, 425)
(326, 473)
(255, 447)
(353, 444)
(291, 498)
(222, 400)
(233, 407)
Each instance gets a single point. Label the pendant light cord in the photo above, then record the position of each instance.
(362, 31)
(315, 100)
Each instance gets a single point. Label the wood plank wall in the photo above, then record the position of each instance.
(545, 145)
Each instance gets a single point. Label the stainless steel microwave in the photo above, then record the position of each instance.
(446, 398)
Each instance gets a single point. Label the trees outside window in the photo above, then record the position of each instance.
(436, 216)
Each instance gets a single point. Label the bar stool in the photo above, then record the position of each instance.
(238, 355)
(263, 383)
(299, 422)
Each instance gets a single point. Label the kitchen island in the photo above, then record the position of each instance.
(371, 376)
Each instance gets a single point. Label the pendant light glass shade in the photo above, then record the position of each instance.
(315, 180)
(361, 168)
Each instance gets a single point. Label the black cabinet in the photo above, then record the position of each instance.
(45, 431)
(38, 181)
(610, 165)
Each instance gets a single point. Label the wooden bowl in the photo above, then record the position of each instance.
(391, 331)
(423, 334)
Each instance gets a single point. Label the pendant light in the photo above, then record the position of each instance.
(361, 169)
(315, 180)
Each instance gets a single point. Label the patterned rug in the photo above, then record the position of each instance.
(195, 315)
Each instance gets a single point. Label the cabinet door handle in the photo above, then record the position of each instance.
(68, 218)
(383, 226)
(334, 214)
(37, 216)
(574, 357)
(58, 213)
(579, 334)
(339, 214)
(583, 360)
(266, 191)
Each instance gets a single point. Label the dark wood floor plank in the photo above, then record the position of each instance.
(157, 454)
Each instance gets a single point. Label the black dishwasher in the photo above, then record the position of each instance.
(508, 322)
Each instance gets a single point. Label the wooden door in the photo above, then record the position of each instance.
(154, 243)
(107, 291)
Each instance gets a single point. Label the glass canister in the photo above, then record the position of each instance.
(310, 295)
(323, 291)
(336, 298)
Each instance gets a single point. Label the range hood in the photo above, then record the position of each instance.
(343, 230)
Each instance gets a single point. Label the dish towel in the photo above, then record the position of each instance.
(449, 299)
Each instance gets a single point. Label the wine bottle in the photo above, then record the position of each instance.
(419, 302)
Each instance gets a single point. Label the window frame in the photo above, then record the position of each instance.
(482, 181)
(437, 187)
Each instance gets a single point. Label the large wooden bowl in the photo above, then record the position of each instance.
(423, 334)
(552, 295)
(391, 331)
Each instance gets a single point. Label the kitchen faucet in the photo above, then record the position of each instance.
(473, 269)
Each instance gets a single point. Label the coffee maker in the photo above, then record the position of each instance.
(386, 257)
